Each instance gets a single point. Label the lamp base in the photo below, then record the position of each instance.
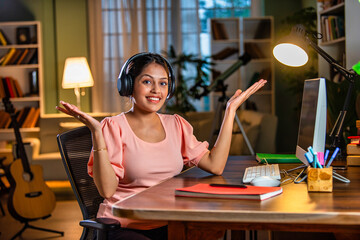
(77, 94)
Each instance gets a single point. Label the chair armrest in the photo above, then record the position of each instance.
(104, 224)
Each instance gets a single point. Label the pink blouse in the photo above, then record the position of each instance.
(139, 164)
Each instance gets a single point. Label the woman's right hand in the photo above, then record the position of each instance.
(75, 112)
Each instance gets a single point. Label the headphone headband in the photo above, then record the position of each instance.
(125, 83)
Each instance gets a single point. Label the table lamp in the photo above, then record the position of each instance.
(291, 51)
(77, 75)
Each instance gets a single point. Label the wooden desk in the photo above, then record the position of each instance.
(294, 210)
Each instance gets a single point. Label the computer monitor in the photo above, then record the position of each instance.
(312, 126)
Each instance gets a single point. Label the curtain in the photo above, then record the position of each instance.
(128, 27)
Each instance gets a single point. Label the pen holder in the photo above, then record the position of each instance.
(320, 179)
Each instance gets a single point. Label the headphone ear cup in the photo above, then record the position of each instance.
(129, 84)
(172, 84)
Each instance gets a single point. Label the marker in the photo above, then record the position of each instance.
(321, 158)
(314, 157)
(333, 157)
(316, 161)
(309, 157)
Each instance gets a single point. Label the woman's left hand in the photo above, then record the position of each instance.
(240, 97)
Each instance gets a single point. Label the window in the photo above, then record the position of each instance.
(130, 26)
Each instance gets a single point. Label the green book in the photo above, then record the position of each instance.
(276, 158)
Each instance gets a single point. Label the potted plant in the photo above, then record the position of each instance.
(186, 92)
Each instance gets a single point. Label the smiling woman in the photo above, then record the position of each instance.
(140, 148)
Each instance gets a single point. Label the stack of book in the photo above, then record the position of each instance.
(10, 88)
(353, 149)
(16, 56)
(26, 117)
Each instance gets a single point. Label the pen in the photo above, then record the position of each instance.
(228, 185)
(333, 156)
(326, 156)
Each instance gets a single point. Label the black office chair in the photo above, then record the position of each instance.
(75, 147)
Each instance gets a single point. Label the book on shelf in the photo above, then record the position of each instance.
(23, 114)
(204, 190)
(18, 90)
(29, 56)
(253, 50)
(22, 56)
(218, 30)
(3, 39)
(263, 30)
(10, 87)
(16, 56)
(29, 117)
(34, 118)
(2, 90)
(4, 117)
(8, 56)
(332, 27)
(276, 158)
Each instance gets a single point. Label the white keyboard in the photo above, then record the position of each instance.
(271, 170)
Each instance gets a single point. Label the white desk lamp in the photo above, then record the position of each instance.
(77, 75)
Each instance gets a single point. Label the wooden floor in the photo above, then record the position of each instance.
(65, 217)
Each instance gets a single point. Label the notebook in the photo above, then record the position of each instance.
(250, 192)
(276, 158)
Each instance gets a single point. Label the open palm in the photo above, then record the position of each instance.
(75, 112)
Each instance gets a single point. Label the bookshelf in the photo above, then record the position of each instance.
(231, 38)
(21, 66)
(344, 47)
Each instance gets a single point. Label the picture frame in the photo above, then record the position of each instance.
(23, 35)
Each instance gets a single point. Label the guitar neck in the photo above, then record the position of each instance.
(9, 108)
(20, 146)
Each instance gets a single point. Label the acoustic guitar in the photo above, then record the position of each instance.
(29, 198)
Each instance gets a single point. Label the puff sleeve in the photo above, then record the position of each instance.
(113, 140)
(192, 150)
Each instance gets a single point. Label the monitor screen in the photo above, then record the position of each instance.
(312, 126)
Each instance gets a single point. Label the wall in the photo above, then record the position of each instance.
(285, 102)
(64, 25)
(64, 30)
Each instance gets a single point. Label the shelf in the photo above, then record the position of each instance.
(226, 41)
(254, 38)
(264, 40)
(25, 99)
(332, 42)
(20, 46)
(24, 66)
(333, 10)
(22, 79)
(22, 130)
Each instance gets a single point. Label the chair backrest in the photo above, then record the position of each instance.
(75, 148)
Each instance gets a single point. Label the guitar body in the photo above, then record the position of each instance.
(30, 197)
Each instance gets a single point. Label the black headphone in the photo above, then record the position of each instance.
(125, 83)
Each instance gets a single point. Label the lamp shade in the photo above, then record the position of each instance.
(291, 50)
(77, 73)
(290, 54)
